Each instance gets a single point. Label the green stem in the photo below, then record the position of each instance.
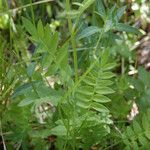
(71, 29)
(10, 32)
(32, 13)
(99, 39)
(26, 6)
(122, 65)
(9, 89)
(1, 133)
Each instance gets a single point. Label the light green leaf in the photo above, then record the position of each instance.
(107, 75)
(62, 56)
(101, 98)
(89, 80)
(127, 28)
(101, 8)
(85, 4)
(136, 127)
(104, 57)
(145, 122)
(54, 42)
(31, 68)
(108, 66)
(83, 104)
(108, 25)
(142, 140)
(41, 47)
(29, 26)
(130, 133)
(47, 60)
(77, 4)
(104, 90)
(99, 107)
(147, 134)
(105, 82)
(25, 102)
(59, 130)
(144, 76)
(82, 97)
(120, 12)
(88, 32)
(40, 29)
(47, 35)
(87, 90)
(127, 148)
(135, 145)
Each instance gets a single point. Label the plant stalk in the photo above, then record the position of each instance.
(71, 29)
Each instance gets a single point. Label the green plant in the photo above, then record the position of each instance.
(137, 135)
(71, 91)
